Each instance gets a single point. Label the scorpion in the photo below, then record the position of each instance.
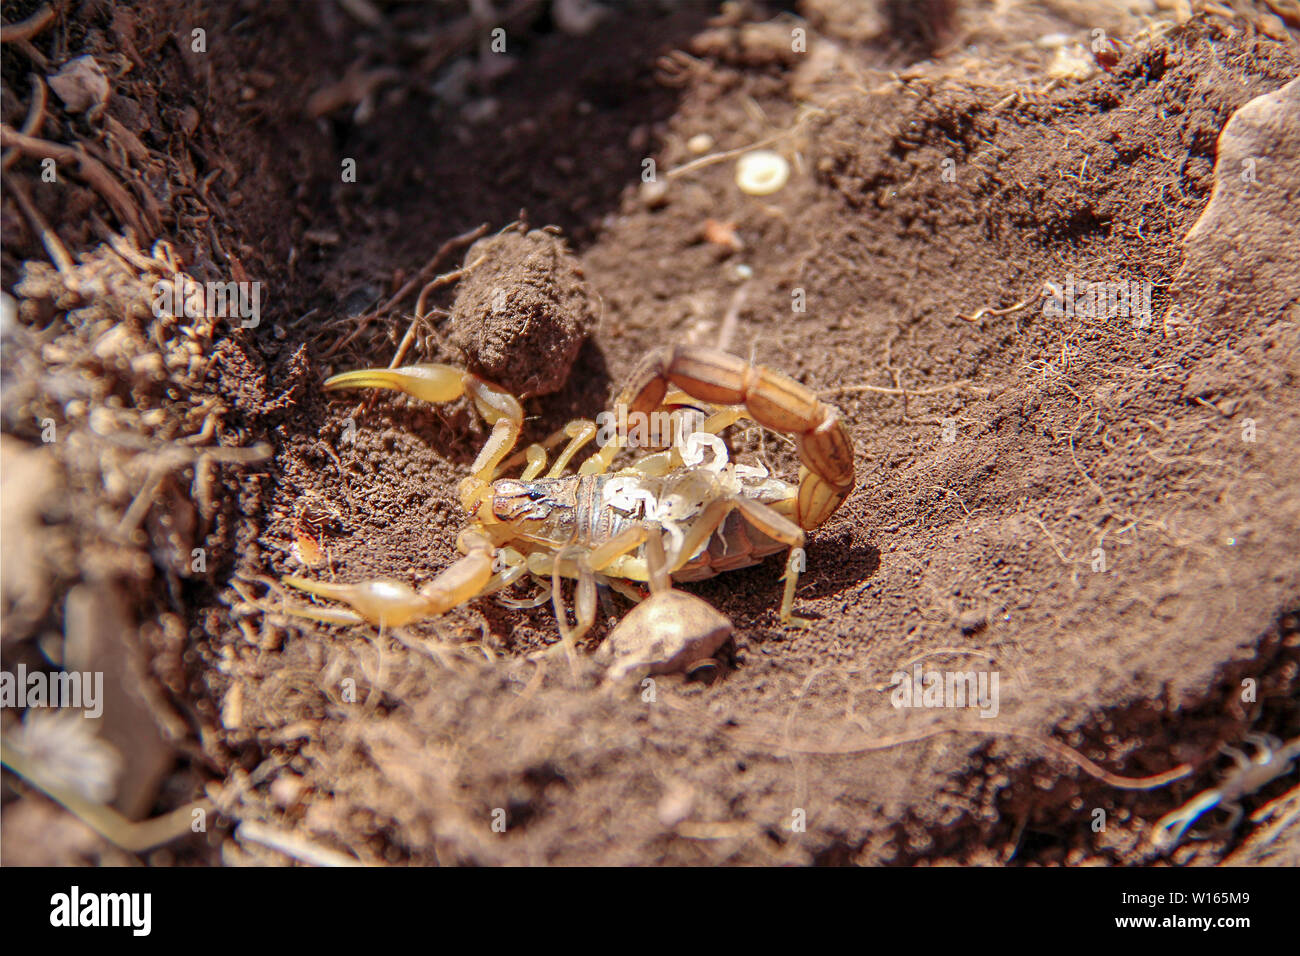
(1272, 760)
(668, 515)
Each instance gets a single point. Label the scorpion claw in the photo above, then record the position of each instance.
(394, 603)
(432, 382)
(385, 603)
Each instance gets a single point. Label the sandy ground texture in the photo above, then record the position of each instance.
(1092, 499)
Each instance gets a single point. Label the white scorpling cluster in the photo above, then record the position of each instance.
(674, 499)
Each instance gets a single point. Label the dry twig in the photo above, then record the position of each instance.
(88, 168)
(26, 29)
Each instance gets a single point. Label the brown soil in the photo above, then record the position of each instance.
(1100, 511)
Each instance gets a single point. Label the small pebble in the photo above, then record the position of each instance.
(700, 143)
(761, 172)
(676, 804)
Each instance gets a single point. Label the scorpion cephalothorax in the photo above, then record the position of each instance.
(671, 512)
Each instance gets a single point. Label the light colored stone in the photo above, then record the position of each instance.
(664, 633)
(1241, 261)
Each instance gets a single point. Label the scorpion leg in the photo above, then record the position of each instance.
(628, 591)
(513, 566)
(580, 431)
(1265, 746)
(388, 603)
(573, 561)
(444, 383)
(770, 398)
(536, 455)
(536, 452)
(1239, 757)
(767, 520)
(1235, 813)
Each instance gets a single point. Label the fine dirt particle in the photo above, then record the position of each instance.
(522, 312)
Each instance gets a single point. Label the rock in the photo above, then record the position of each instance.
(664, 633)
(82, 86)
(1240, 259)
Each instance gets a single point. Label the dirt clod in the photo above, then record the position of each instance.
(523, 311)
